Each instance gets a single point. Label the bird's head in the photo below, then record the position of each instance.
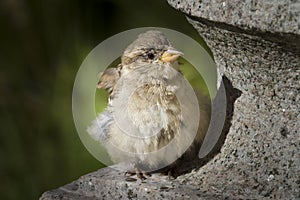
(150, 47)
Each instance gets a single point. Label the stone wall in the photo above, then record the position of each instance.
(256, 45)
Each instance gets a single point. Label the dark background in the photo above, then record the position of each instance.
(42, 46)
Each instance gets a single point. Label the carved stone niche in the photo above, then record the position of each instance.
(256, 46)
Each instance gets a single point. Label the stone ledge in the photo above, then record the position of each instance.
(108, 183)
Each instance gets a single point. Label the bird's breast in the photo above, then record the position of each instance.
(146, 107)
(154, 110)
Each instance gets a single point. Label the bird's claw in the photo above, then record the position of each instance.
(139, 173)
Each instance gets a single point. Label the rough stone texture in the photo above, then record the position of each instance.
(110, 184)
(261, 155)
(256, 46)
(266, 15)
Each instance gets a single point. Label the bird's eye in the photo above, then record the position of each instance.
(150, 55)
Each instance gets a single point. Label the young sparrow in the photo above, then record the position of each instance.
(152, 119)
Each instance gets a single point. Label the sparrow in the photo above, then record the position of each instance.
(151, 119)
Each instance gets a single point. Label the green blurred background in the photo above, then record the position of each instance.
(42, 46)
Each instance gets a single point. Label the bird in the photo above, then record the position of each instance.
(154, 119)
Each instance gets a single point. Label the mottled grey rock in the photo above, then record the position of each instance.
(260, 156)
(256, 47)
(282, 16)
(260, 56)
(277, 21)
(107, 183)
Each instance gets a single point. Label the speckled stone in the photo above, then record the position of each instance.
(266, 15)
(107, 183)
(255, 45)
(261, 154)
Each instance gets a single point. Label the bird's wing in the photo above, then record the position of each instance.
(100, 128)
(109, 78)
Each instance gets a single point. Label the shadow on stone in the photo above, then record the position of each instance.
(232, 94)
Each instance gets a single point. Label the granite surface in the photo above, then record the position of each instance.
(265, 15)
(261, 154)
(258, 51)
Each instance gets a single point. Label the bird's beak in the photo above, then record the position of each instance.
(170, 55)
